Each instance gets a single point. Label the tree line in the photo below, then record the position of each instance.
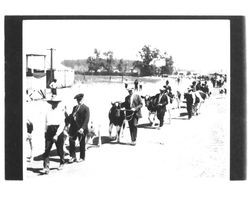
(106, 62)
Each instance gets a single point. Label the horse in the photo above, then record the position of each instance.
(116, 118)
(151, 104)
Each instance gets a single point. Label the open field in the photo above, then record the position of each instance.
(186, 149)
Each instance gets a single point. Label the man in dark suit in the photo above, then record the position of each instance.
(78, 128)
(161, 105)
(133, 103)
(190, 98)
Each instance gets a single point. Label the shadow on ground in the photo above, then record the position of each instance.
(147, 126)
(38, 171)
(104, 140)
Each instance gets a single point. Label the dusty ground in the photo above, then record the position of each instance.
(186, 149)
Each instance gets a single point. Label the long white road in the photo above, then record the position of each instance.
(185, 149)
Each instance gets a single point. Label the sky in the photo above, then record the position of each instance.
(200, 45)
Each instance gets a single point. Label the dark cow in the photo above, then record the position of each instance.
(70, 122)
(151, 104)
(116, 118)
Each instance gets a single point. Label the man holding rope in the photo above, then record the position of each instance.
(133, 105)
(78, 128)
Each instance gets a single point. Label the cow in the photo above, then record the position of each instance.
(117, 119)
(69, 120)
(193, 107)
(151, 104)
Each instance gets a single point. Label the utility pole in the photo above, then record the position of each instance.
(51, 64)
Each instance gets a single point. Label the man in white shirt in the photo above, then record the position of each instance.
(54, 134)
(133, 104)
(53, 87)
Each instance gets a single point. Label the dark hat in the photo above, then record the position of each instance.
(53, 101)
(79, 96)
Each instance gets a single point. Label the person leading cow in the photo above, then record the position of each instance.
(161, 105)
(133, 103)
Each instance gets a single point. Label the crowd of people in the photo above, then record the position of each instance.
(60, 124)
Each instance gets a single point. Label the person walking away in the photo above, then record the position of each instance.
(133, 103)
(136, 84)
(167, 87)
(190, 98)
(54, 134)
(140, 85)
(29, 126)
(161, 105)
(178, 80)
(53, 87)
(78, 128)
(126, 83)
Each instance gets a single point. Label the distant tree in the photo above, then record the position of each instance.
(95, 63)
(138, 64)
(147, 55)
(109, 61)
(93, 66)
(168, 67)
(188, 73)
(120, 65)
(97, 54)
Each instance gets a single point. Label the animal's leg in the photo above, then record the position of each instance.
(169, 116)
(198, 108)
(178, 103)
(154, 120)
(110, 129)
(118, 129)
(122, 128)
(149, 115)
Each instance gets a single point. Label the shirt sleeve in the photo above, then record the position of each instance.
(139, 103)
(86, 120)
(61, 125)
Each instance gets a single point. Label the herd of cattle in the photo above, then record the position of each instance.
(193, 98)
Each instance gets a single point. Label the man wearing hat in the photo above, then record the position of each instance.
(133, 103)
(78, 128)
(161, 105)
(54, 129)
(190, 98)
(167, 87)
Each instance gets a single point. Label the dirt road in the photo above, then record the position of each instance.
(195, 148)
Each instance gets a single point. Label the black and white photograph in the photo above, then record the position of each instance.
(140, 98)
(121, 103)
